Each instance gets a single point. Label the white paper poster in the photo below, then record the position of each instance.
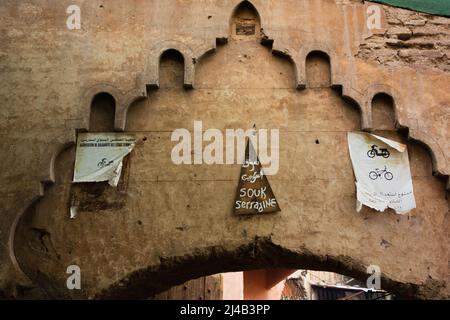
(383, 176)
(99, 156)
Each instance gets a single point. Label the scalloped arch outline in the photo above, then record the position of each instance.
(150, 79)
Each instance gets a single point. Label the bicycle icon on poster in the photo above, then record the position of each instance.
(380, 174)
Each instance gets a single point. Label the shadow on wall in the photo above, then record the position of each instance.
(171, 66)
(32, 239)
(103, 110)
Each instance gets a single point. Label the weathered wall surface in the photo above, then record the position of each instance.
(410, 39)
(166, 224)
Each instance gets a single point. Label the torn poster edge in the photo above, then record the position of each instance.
(359, 204)
(115, 170)
(73, 212)
(394, 144)
(114, 181)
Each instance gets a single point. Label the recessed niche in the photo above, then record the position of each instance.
(383, 115)
(103, 109)
(245, 22)
(171, 69)
(318, 70)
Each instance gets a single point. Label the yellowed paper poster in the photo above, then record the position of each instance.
(99, 156)
(383, 175)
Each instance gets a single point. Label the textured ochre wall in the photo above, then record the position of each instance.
(166, 224)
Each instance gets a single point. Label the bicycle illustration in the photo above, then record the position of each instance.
(378, 173)
(374, 152)
(104, 163)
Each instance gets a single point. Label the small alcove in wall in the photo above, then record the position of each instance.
(318, 70)
(171, 69)
(245, 22)
(102, 114)
(383, 114)
(142, 112)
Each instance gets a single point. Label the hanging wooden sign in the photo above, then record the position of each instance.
(254, 194)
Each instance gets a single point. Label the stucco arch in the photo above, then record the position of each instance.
(261, 253)
(376, 89)
(351, 84)
(43, 186)
(267, 247)
(152, 67)
(438, 159)
(91, 92)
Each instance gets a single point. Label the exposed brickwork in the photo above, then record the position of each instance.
(410, 39)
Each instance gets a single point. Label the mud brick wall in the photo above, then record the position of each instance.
(311, 69)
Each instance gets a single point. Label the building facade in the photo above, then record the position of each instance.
(312, 69)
